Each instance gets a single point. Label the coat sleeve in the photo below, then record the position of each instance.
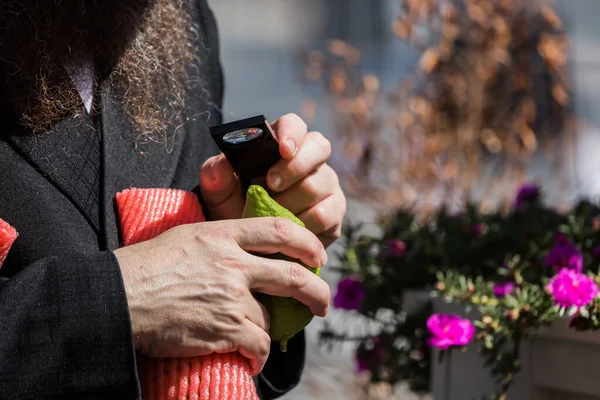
(65, 331)
(283, 371)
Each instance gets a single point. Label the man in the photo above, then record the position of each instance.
(100, 95)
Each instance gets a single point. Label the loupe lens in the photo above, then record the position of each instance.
(242, 135)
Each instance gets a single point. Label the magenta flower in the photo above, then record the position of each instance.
(449, 330)
(502, 289)
(572, 288)
(396, 248)
(527, 193)
(350, 294)
(565, 256)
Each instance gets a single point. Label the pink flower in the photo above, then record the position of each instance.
(396, 248)
(449, 330)
(572, 288)
(350, 294)
(502, 289)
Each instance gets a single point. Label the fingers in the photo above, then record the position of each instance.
(330, 235)
(271, 235)
(325, 216)
(314, 152)
(257, 313)
(221, 189)
(289, 279)
(291, 131)
(255, 345)
(310, 190)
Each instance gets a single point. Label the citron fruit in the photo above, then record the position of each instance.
(288, 315)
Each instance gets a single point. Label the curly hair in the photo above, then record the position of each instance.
(141, 46)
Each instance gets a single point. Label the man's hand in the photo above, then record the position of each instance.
(303, 181)
(189, 290)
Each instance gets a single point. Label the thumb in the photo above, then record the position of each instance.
(221, 189)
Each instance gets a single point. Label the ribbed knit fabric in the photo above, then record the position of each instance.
(8, 235)
(145, 214)
(211, 377)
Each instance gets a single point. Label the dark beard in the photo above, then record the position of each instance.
(141, 46)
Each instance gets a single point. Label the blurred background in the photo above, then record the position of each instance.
(276, 57)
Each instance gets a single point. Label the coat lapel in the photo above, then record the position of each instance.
(68, 157)
(130, 161)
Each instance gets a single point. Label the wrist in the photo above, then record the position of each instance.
(131, 267)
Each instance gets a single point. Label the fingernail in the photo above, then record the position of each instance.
(291, 145)
(276, 180)
(324, 257)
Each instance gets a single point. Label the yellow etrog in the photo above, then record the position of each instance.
(288, 315)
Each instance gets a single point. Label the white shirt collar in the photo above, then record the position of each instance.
(83, 79)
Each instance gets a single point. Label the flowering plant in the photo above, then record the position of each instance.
(519, 270)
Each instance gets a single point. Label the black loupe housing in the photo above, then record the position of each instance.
(249, 145)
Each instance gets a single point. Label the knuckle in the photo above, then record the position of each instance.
(211, 231)
(296, 276)
(281, 229)
(323, 142)
(232, 262)
(311, 185)
(225, 345)
(321, 216)
(237, 291)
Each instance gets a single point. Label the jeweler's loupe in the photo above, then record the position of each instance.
(250, 146)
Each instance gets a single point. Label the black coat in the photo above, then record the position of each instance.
(64, 324)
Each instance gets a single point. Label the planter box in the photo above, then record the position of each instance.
(557, 364)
